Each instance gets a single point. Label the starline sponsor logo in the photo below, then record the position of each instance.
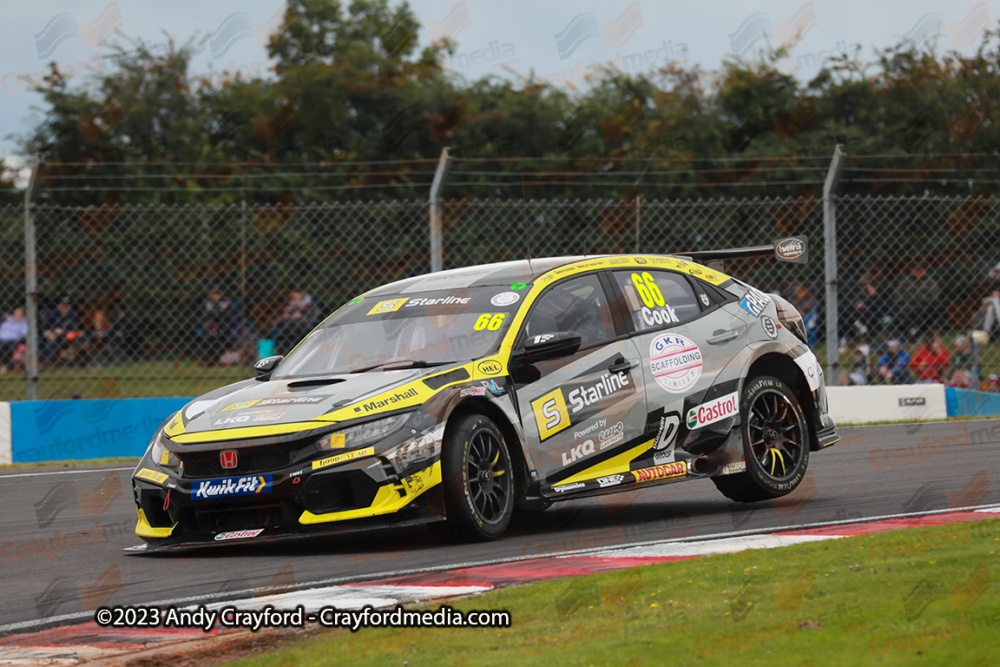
(395, 398)
(232, 486)
(443, 301)
(238, 534)
(713, 411)
(677, 469)
(582, 397)
(612, 436)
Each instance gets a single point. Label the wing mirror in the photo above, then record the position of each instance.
(266, 366)
(550, 346)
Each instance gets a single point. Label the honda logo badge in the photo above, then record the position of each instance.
(228, 459)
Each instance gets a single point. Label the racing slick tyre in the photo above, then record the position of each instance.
(478, 480)
(775, 443)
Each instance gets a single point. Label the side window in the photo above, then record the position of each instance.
(577, 305)
(657, 299)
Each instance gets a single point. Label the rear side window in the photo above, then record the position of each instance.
(657, 299)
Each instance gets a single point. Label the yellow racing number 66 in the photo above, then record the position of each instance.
(491, 321)
(648, 291)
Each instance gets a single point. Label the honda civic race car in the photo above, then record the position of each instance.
(472, 393)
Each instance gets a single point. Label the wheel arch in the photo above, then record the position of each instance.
(784, 368)
(510, 435)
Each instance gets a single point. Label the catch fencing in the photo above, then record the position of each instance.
(137, 279)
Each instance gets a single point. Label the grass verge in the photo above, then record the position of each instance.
(894, 598)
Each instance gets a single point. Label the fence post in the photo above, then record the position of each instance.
(31, 282)
(434, 208)
(830, 263)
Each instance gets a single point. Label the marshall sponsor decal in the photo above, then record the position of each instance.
(568, 487)
(341, 458)
(231, 486)
(713, 411)
(612, 436)
(675, 362)
(395, 398)
(152, 476)
(578, 452)
(239, 534)
(755, 302)
(610, 480)
(676, 469)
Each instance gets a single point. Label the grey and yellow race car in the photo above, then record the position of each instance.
(473, 393)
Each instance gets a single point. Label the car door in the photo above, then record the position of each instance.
(582, 409)
(686, 338)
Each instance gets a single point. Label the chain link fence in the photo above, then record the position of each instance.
(176, 300)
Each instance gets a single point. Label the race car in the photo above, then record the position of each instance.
(472, 393)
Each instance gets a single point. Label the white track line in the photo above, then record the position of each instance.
(251, 593)
(62, 472)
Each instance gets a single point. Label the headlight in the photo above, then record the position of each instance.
(362, 434)
(161, 455)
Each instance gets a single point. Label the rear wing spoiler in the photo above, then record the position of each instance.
(794, 249)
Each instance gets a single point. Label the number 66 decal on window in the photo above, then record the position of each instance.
(491, 321)
(648, 291)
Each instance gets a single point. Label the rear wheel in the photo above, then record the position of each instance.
(478, 479)
(775, 443)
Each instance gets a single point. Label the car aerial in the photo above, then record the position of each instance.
(472, 393)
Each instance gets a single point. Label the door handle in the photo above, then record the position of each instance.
(722, 336)
(620, 365)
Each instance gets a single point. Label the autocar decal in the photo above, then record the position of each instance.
(668, 471)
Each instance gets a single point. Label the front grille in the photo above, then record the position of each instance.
(251, 461)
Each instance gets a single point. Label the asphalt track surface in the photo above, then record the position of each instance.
(874, 471)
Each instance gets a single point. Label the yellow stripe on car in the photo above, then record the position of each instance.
(390, 498)
(248, 432)
(616, 464)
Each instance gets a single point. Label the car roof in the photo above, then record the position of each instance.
(481, 275)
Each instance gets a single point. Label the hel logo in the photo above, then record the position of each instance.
(578, 452)
(489, 367)
(675, 362)
(228, 459)
(713, 411)
(550, 413)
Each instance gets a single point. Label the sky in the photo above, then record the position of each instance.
(556, 39)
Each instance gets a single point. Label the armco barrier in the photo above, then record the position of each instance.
(968, 403)
(85, 429)
(861, 405)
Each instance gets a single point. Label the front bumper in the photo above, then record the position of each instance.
(308, 499)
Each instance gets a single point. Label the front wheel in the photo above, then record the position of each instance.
(478, 479)
(775, 443)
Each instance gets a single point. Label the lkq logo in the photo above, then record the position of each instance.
(713, 411)
(578, 452)
(228, 459)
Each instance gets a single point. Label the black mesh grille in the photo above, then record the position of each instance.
(260, 459)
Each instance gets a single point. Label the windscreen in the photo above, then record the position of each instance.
(419, 329)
